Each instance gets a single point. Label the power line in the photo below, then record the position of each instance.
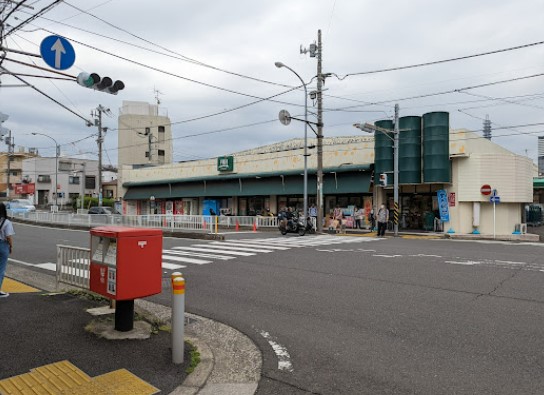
(412, 66)
(183, 57)
(30, 19)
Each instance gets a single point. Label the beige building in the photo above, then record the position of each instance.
(270, 177)
(19, 185)
(144, 135)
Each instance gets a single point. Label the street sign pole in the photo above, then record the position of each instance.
(494, 218)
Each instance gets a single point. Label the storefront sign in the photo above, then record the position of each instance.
(25, 189)
(225, 163)
(451, 199)
(443, 207)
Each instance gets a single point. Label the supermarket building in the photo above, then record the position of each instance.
(434, 162)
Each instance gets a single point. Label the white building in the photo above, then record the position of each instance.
(74, 177)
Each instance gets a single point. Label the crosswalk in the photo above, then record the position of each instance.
(203, 254)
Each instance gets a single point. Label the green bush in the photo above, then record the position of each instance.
(91, 202)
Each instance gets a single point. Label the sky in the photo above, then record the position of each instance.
(196, 57)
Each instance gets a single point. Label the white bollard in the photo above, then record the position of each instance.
(178, 317)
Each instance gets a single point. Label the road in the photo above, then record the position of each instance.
(359, 315)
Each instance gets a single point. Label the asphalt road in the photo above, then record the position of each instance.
(376, 316)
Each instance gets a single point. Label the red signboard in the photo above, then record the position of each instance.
(25, 189)
(451, 199)
(485, 189)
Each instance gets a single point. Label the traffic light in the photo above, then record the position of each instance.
(383, 179)
(105, 84)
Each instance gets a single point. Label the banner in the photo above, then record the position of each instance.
(443, 205)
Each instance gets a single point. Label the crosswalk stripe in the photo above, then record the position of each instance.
(171, 266)
(233, 248)
(184, 259)
(245, 244)
(240, 253)
(199, 254)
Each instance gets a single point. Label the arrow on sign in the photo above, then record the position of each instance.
(58, 48)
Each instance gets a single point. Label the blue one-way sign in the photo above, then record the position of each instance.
(57, 52)
(495, 199)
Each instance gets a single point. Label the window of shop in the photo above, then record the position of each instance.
(253, 205)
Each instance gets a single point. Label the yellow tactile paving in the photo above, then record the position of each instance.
(14, 287)
(63, 378)
(122, 382)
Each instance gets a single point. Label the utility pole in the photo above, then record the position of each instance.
(320, 211)
(396, 172)
(98, 122)
(10, 145)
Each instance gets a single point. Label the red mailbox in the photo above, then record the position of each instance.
(126, 263)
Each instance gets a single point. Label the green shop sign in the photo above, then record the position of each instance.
(225, 163)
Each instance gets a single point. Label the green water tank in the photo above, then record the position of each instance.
(383, 148)
(436, 147)
(410, 150)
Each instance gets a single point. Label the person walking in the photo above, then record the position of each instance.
(372, 220)
(383, 218)
(6, 244)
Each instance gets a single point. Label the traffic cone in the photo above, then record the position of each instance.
(237, 226)
(255, 226)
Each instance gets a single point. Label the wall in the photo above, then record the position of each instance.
(133, 119)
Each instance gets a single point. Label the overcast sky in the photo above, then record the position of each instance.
(246, 37)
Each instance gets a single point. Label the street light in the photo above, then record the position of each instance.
(279, 65)
(372, 128)
(57, 149)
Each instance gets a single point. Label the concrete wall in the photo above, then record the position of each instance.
(133, 120)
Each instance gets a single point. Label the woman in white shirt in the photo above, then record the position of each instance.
(6, 244)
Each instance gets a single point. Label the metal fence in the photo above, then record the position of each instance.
(168, 222)
(73, 266)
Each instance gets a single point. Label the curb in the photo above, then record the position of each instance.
(230, 363)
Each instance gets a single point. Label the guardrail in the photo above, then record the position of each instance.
(168, 222)
(73, 266)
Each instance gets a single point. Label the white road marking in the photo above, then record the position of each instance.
(231, 248)
(47, 266)
(171, 266)
(510, 262)
(426, 255)
(213, 250)
(468, 263)
(198, 254)
(387, 256)
(235, 243)
(185, 259)
(284, 359)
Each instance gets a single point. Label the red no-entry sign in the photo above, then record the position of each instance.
(485, 189)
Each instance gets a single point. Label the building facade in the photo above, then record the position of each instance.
(144, 135)
(75, 177)
(19, 185)
(268, 178)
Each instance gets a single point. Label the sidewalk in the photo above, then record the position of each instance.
(42, 327)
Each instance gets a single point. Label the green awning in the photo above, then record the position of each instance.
(538, 183)
(333, 183)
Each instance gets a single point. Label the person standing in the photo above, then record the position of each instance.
(383, 218)
(6, 244)
(359, 217)
(372, 220)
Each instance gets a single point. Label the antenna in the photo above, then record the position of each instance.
(157, 93)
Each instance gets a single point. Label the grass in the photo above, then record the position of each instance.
(194, 357)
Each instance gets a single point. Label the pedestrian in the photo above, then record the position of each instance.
(372, 219)
(6, 244)
(312, 211)
(383, 218)
(359, 217)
